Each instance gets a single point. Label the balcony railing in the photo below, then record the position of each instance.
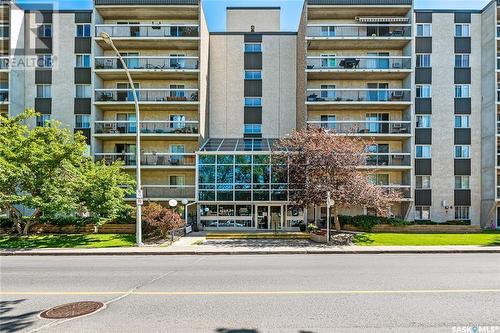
(147, 127)
(388, 159)
(4, 62)
(148, 63)
(149, 159)
(364, 126)
(359, 30)
(147, 95)
(148, 30)
(4, 31)
(358, 95)
(498, 30)
(4, 95)
(168, 191)
(498, 63)
(359, 62)
(404, 190)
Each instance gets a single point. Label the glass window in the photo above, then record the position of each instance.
(462, 182)
(208, 210)
(462, 90)
(82, 61)
(44, 61)
(83, 91)
(43, 91)
(206, 159)
(253, 75)
(462, 60)
(462, 151)
(423, 151)
(46, 30)
(243, 159)
(82, 121)
(226, 210)
(462, 213)
(261, 174)
(422, 213)
(83, 30)
(243, 210)
(225, 159)
(225, 174)
(423, 182)
(424, 30)
(253, 47)
(462, 30)
(423, 60)
(253, 101)
(206, 174)
(243, 174)
(42, 120)
(423, 91)
(462, 122)
(423, 121)
(253, 129)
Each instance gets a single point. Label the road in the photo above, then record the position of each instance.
(255, 294)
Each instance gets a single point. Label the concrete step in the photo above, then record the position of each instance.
(257, 235)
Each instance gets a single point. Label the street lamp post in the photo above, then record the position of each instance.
(139, 195)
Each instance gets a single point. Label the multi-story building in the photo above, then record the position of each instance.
(164, 44)
(4, 55)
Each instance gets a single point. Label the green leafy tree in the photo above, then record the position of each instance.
(45, 170)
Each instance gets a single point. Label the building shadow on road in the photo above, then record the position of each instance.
(14, 323)
(236, 330)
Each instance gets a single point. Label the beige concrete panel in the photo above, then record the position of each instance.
(263, 20)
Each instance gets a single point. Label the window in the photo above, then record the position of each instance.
(177, 180)
(462, 213)
(462, 30)
(380, 179)
(423, 151)
(82, 121)
(253, 128)
(423, 91)
(42, 120)
(46, 30)
(424, 30)
(253, 75)
(328, 121)
(423, 121)
(83, 30)
(43, 91)
(462, 60)
(462, 122)
(44, 61)
(178, 121)
(423, 60)
(422, 213)
(253, 47)
(462, 90)
(462, 151)
(83, 61)
(253, 101)
(462, 182)
(423, 182)
(83, 91)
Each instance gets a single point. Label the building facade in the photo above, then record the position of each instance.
(423, 85)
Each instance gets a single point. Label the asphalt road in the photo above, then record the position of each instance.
(255, 294)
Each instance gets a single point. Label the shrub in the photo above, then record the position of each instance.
(161, 219)
(311, 227)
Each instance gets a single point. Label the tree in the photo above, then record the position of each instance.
(161, 218)
(45, 170)
(319, 162)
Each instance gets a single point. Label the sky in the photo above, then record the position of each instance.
(290, 9)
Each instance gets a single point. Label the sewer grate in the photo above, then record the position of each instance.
(71, 310)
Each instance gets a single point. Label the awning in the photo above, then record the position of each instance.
(382, 19)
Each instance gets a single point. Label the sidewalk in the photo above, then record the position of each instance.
(194, 246)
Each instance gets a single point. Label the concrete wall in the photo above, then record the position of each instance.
(264, 20)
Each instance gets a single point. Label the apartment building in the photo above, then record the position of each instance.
(359, 81)
(164, 44)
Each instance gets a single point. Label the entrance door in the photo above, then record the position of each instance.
(276, 218)
(269, 217)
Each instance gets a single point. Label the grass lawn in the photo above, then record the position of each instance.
(486, 238)
(66, 241)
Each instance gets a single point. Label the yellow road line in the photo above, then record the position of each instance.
(250, 293)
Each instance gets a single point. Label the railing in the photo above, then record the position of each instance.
(498, 95)
(147, 95)
(358, 62)
(168, 191)
(388, 159)
(4, 62)
(498, 30)
(358, 95)
(149, 159)
(4, 95)
(147, 127)
(404, 190)
(149, 63)
(498, 63)
(4, 31)
(359, 30)
(498, 127)
(148, 30)
(364, 126)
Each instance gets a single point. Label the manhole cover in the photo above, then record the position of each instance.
(71, 310)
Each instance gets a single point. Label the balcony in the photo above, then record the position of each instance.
(167, 192)
(164, 67)
(358, 36)
(152, 36)
(386, 129)
(358, 67)
(365, 99)
(149, 99)
(388, 161)
(151, 160)
(150, 130)
(4, 63)
(404, 190)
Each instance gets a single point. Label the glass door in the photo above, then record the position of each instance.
(276, 217)
(262, 217)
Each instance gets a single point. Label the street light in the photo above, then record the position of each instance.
(139, 195)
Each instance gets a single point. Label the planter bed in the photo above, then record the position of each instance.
(420, 229)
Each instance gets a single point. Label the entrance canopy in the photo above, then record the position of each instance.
(240, 145)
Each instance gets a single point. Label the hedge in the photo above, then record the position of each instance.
(366, 222)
